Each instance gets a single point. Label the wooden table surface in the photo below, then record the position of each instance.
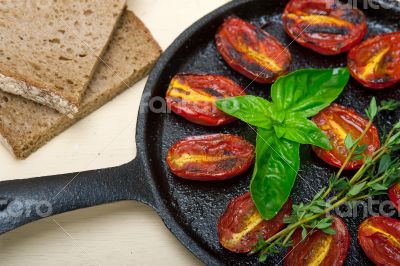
(125, 233)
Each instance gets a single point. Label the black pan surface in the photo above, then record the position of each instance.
(191, 209)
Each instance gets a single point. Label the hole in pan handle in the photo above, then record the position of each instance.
(25, 201)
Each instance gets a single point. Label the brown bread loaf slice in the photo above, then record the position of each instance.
(25, 126)
(49, 49)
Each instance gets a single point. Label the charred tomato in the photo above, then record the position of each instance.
(380, 239)
(241, 224)
(326, 26)
(210, 157)
(252, 51)
(337, 122)
(320, 248)
(375, 63)
(394, 195)
(193, 97)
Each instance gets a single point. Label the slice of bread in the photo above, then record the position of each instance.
(49, 49)
(25, 126)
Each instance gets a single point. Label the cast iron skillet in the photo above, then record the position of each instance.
(191, 209)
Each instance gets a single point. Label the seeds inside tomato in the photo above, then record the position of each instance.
(325, 26)
(337, 122)
(241, 224)
(375, 63)
(320, 248)
(380, 239)
(193, 96)
(210, 157)
(252, 51)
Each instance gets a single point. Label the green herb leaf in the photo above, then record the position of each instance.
(316, 209)
(304, 233)
(306, 92)
(379, 187)
(395, 139)
(322, 203)
(378, 193)
(372, 111)
(342, 184)
(338, 183)
(360, 149)
(319, 194)
(329, 231)
(276, 167)
(384, 163)
(356, 189)
(394, 177)
(328, 219)
(253, 110)
(290, 219)
(305, 131)
(324, 225)
(263, 257)
(389, 105)
(259, 245)
(357, 157)
(348, 142)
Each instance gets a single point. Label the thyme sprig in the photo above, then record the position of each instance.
(378, 172)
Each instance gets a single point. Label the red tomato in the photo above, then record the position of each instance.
(394, 195)
(251, 51)
(375, 63)
(380, 239)
(326, 26)
(320, 248)
(193, 96)
(337, 122)
(241, 224)
(210, 157)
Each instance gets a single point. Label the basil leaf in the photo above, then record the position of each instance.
(308, 91)
(250, 109)
(304, 131)
(277, 164)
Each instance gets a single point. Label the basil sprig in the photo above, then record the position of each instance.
(282, 126)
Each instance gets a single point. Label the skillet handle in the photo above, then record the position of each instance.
(24, 201)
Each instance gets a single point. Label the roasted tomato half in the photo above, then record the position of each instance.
(326, 26)
(394, 195)
(252, 51)
(375, 63)
(320, 248)
(337, 122)
(380, 239)
(241, 224)
(210, 157)
(193, 96)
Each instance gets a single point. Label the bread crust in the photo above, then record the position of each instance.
(42, 95)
